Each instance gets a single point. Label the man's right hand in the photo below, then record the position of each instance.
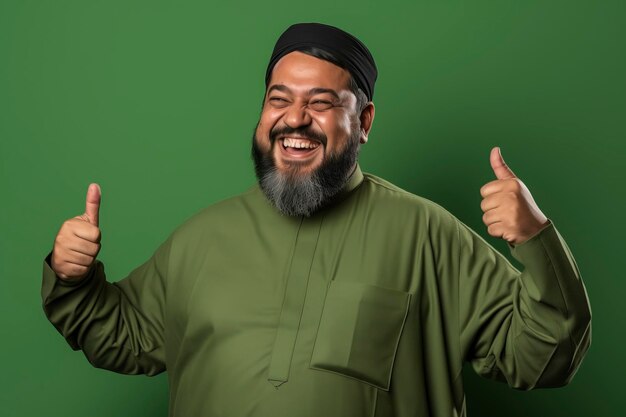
(78, 242)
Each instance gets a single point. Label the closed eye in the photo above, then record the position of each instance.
(320, 105)
(278, 102)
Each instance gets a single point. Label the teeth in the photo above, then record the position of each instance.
(299, 143)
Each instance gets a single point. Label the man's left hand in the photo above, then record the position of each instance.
(510, 211)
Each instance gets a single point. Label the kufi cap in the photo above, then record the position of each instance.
(351, 53)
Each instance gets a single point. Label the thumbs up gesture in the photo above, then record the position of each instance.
(78, 242)
(509, 209)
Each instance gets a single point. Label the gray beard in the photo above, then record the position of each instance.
(297, 194)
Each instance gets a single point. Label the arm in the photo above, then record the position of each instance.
(530, 329)
(118, 326)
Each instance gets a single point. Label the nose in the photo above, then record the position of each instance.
(297, 116)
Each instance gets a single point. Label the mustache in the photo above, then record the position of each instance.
(307, 133)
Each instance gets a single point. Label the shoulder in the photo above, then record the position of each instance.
(388, 199)
(218, 216)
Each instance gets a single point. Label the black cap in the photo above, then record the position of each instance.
(351, 53)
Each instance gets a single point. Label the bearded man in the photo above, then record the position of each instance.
(323, 290)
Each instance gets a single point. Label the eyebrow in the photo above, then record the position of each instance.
(312, 91)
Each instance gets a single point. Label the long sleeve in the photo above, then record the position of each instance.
(530, 329)
(119, 326)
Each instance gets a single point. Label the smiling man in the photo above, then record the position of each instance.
(323, 290)
(314, 119)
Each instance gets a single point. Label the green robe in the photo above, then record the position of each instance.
(367, 308)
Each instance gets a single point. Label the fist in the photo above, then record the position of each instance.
(510, 212)
(78, 242)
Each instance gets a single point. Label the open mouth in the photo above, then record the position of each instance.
(298, 147)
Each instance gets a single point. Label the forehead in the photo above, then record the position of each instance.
(300, 71)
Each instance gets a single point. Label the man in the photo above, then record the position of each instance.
(324, 291)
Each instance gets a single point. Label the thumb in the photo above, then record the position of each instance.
(92, 206)
(498, 165)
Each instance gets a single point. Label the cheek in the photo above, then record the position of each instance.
(336, 129)
(262, 132)
(268, 121)
(344, 124)
(262, 138)
(260, 129)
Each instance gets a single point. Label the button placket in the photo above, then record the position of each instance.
(296, 282)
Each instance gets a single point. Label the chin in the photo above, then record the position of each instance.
(294, 166)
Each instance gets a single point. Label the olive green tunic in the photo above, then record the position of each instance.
(368, 308)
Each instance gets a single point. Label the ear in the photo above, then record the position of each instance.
(367, 118)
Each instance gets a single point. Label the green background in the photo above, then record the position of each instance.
(156, 101)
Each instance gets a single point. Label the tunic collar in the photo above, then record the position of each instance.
(355, 179)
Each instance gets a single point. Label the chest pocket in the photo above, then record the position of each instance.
(359, 331)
